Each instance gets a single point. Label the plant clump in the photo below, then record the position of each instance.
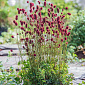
(44, 39)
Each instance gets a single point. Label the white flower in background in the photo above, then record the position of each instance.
(11, 2)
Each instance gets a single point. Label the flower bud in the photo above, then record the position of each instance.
(16, 17)
(39, 2)
(66, 8)
(31, 5)
(45, 3)
(61, 40)
(27, 1)
(58, 10)
(69, 13)
(12, 36)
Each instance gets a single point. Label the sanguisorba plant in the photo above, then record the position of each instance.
(44, 39)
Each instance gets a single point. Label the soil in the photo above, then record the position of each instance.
(80, 54)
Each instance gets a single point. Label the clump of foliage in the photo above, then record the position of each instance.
(77, 37)
(8, 78)
(44, 39)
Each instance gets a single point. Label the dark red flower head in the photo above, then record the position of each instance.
(39, 2)
(58, 10)
(27, 39)
(27, 1)
(16, 17)
(31, 5)
(22, 28)
(34, 54)
(61, 40)
(66, 8)
(35, 16)
(69, 13)
(67, 27)
(41, 8)
(11, 50)
(45, 3)
(65, 38)
(12, 36)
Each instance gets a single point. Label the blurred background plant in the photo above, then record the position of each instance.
(8, 77)
(77, 37)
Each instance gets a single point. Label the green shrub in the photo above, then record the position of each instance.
(77, 37)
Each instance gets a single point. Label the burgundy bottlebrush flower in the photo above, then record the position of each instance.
(44, 20)
(61, 12)
(59, 45)
(52, 14)
(49, 46)
(17, 8)
(67, 27)
(24, 22)
(45, 3)
(12, 36)
(34, 54)
(39, 2)
(35, 16)
(58, 10)
(27, 18)
(61, 40)
(32, 45)
(23, 10)
(33, 8)
(31, 24)
(52, 9)
(39, 13)
(30, 32)
(27, 1)
(53, 34)
(27, 39)
(69, 13)
(55, 6)
(58, 18)
(48, 10)
(22, 39)
(37, 7)
(18, 11)
(48, 14)
(51, 4)
(11, 50)
(62, 9)
(22, 28)
(16, 23)
(21, 22)
(51, 39)
(68, 33)
(42, 24)
(31, 5)
(16, 17)
(49, 23)
(66, 8)
(23, 47)
(26, 25)
(26, 44)
(41, 8)
(55, 15)
(59, 25)
(65, 38)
